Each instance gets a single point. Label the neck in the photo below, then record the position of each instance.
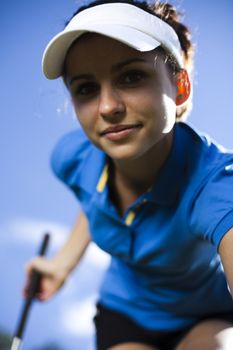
(132, 178)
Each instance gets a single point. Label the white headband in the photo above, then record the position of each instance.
(123, 22)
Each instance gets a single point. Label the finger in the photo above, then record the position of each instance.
(33, 268)
(38, 264)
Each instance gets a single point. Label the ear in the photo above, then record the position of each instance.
(183, 87)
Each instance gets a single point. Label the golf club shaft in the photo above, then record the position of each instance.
(33, 288)
(16, 344)
(23, 318)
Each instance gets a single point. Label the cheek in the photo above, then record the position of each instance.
(169, 113)
(159, 108)
(86, 115)
(165, 105)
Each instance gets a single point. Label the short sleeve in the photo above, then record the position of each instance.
(68, 154)
(211, 214)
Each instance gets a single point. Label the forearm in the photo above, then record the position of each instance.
(74, 248)
(226, 253)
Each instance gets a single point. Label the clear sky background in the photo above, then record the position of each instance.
(35, 113)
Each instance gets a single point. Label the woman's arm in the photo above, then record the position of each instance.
(72, 251)
(226, 254)
(56, 270)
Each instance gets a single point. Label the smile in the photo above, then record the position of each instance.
(120, 132)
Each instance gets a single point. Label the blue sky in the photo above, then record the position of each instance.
(35, 112)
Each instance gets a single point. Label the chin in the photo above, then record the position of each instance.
(124, 153)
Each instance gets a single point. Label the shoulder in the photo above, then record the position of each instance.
(69, 152)
(211, 183)
(203, 154)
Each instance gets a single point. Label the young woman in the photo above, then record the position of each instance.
(155, 194)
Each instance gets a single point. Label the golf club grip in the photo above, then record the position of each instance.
(36, 276)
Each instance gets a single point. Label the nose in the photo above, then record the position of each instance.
(111, 104)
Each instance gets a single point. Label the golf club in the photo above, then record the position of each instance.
(32, 290)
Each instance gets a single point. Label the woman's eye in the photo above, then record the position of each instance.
(133, 77)
(86, 89)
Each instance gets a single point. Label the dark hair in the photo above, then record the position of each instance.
(169, 14)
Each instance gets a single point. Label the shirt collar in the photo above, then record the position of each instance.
(168, 182)
(91, 171)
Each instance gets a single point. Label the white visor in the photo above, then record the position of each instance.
(123, 22)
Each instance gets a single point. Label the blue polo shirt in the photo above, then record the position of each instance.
(165, 272)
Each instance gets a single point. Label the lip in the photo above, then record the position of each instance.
(119, 132)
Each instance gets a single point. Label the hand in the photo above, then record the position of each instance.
(52, 279)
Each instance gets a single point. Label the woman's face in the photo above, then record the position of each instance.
(124, 99)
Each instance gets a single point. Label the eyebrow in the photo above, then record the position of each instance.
(79, 77)
(115, 68)
(125, 63)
